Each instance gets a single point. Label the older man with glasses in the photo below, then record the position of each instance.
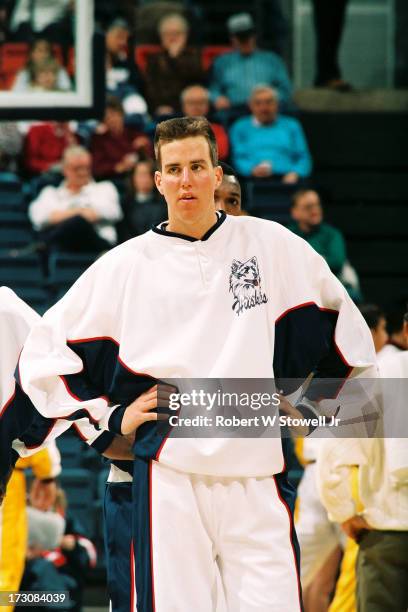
(78, 215)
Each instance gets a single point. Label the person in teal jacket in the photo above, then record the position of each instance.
(307, 215)
(267, 144)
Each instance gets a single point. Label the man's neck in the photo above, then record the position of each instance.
(398, 339)
(74, 188)
(306, 228)
(193, 230)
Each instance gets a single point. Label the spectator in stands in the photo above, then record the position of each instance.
(235, 74)
(40, 51)
(45, 18)
(44, 147)
(376, 321)
(195, 102)
(122, 76)
(63, 566)
(80, 214)
(45, 76)
(227, 196)
(143, 205)
(172, 69)
(116, 147)
(307, 215)
(11, 143)
(266, 144)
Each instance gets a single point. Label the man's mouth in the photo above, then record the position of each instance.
(187, 197)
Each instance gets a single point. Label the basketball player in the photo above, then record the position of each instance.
(205, 296)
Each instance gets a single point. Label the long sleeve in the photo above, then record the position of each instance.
(242, 155)
(104, 199)
(336, 252)
(216, 88)
(23, 430)
(104, 155)
(71, 356)
(45, 463)
(334, 468)
(166, 77)
(41, 208)
(322, 332)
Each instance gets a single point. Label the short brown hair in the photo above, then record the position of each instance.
(185, 127)
(113, 103)
(299, 194)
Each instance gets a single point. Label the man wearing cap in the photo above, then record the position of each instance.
(236, 73)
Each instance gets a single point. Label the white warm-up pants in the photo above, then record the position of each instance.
(217, 544)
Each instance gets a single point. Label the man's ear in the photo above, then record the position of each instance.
(158, 180)
(218, 176)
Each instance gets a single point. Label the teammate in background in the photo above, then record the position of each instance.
(380, 524)
(23, 430)
(227, 196)
(60, 554)
(344, 599)
(46, 465)
(212, 518)
(376, 321)
(397, 337)
(319, 538)
(22, 426)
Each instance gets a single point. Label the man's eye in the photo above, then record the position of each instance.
(173, 170)
(232, 202)
(196, 167)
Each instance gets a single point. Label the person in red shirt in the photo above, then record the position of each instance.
(44, 147)
(195, 102)
(116, 147)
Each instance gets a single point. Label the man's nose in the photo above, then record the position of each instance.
(186, 177)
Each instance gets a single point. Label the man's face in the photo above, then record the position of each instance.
(195, 102)
(77, 170)
(47, 79)
(143, 178)
(117, 40)
(188, 180)
(114, 120)
(379, 334)
(227, 196)
(245, 43)
(308, 210)
(173, 33)
(41, 51)
(264, 107)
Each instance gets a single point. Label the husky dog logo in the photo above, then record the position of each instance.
(245, 285)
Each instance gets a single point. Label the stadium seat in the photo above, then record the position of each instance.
(65, 268)
(211, 52)
(15, 229)
(385, 257)
(11, 192)
(72, 450)
(269, 200)
(13, 57)
(76, 484)
(141, 54)
(24, 275)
